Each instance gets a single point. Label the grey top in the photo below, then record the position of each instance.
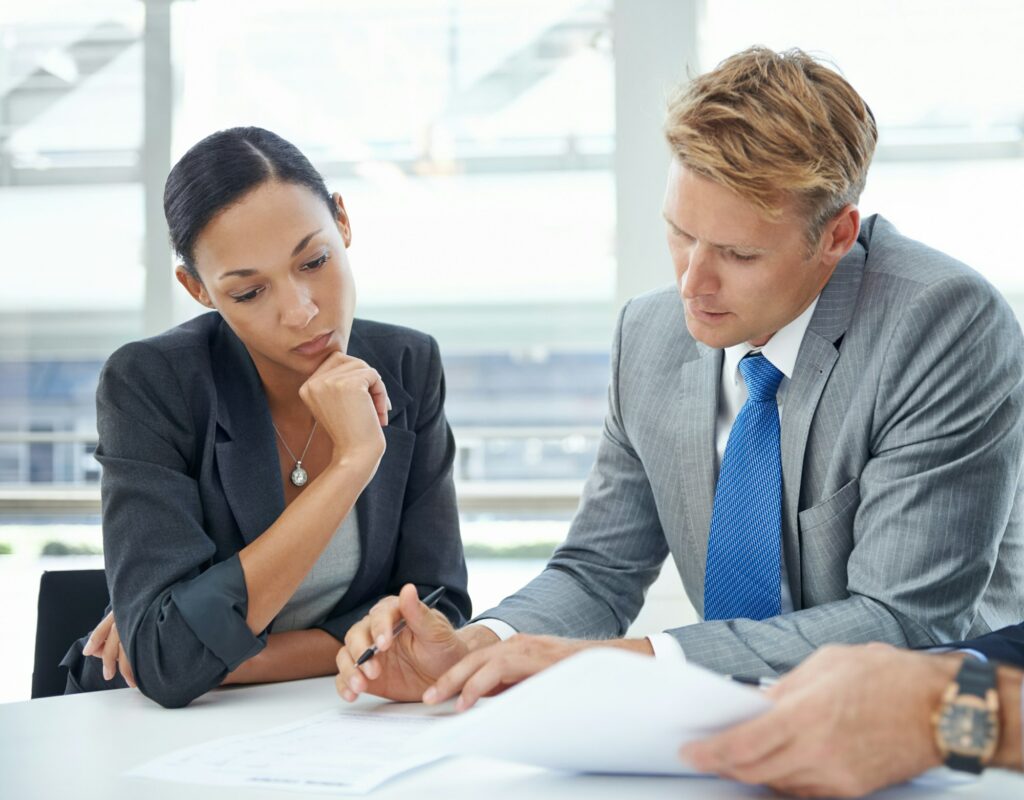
(902, 448)
(326, 583)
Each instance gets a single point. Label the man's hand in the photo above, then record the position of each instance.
(493, 669)
(404, 666)
(848, 721)
(105, 643)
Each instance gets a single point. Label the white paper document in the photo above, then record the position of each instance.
(336, 752)
(602, 710)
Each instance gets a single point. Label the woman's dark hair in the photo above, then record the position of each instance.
(219, 171)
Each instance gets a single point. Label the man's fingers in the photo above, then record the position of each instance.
(426, 624)
(778, 767)
(346, 670)
(455, 678)
(382, 620)
(741, 745)
(482, 682)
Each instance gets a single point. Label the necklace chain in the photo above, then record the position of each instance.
(298, 461)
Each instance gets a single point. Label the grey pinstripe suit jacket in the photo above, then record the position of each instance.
(902, 448)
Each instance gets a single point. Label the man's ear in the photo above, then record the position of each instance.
(840, 234)
(193, 286)
(341, 217)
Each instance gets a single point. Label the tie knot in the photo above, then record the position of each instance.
(761, 376)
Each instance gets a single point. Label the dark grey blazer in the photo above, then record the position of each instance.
(191, 476)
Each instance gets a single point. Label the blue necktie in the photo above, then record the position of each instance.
(742, 578)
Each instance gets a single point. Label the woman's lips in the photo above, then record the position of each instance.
(314, 346)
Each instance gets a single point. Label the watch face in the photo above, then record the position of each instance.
(966, 730)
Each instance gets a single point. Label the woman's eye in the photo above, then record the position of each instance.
(742, 257)
(316, 263)
(245, 298)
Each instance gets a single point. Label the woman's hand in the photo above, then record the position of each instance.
(349, 400)
(105, 643)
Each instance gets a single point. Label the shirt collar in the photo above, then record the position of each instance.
(782, 349)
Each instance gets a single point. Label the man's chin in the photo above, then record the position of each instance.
(713, 337)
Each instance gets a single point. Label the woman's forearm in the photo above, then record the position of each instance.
(290, 656)
(278, 560)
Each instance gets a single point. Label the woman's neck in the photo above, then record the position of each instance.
(282, 390)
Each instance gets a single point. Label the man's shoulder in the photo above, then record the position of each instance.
(891, 253)
(656, 309)
(653, 333)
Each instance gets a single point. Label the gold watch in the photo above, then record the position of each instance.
(967, 720)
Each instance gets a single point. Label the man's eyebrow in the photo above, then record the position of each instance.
(744, 247)
(304, 241)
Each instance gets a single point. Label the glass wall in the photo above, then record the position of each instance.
(474, 142)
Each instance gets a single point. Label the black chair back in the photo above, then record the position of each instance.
(71, 603)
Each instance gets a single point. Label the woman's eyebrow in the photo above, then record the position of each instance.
(304, 241)
(246, 273)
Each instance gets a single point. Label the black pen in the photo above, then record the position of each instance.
(429, 601)
(760, 683)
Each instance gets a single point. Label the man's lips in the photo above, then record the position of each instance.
(314, 346)
(709, 316)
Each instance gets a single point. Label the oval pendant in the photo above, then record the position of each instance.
(299, 476)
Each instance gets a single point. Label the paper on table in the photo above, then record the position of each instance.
(337, 752)
(602, 710)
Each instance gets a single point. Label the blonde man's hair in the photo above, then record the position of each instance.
(773, 125)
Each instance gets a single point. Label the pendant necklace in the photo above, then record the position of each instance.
(299, 476)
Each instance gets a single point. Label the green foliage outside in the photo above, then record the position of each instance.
(54, 548)
(5, 549)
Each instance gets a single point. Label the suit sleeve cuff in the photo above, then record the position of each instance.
(500, 629)
(214, 605)
(667, 648)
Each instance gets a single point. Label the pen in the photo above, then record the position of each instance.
(429, 601)
(760, 683)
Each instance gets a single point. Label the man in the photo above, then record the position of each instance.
(851, 720)
(825, 434)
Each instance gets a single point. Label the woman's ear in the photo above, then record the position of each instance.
(193, 286)
(341, 217)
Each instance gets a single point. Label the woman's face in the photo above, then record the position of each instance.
(275, 266)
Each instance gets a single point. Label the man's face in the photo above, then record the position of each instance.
(741, 276)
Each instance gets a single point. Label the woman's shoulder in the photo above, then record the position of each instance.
(382, 341)
(184, 346)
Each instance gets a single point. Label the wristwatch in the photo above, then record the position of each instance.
(967, 720)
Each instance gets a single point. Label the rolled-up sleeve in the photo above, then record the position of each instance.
(180, 612)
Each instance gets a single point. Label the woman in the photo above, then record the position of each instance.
(272, 468)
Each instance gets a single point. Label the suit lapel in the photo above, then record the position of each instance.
(379, 507)
(819, 352)
(247, 459)
(700, 382)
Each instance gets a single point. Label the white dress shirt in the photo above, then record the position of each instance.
(781, 350)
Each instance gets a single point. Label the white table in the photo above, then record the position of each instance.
(78, 748)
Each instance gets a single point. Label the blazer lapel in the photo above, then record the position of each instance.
(379, 507)
(246, 452)
(698, 410)
(818, 354)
